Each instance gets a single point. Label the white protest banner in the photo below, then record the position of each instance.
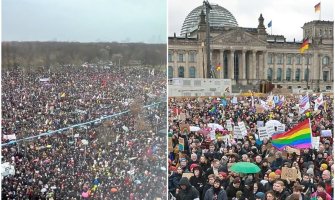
(316, 142)
(229, 125)
(262, 133)
(326, 133)
(7, 169)
(212, 135)
(9, 137)
(44, 79)
(243, 130)
(281, 128)
(270, 130)
(260, 124)
(237, 133)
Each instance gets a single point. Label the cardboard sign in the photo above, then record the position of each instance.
(289, 173)
(170, 146)
(326, 133)
(260, 124)
(182, 116)
(184, 128)
(292, 150)
(181, 144)
(188, 175)
(259, 109)
(262, 133)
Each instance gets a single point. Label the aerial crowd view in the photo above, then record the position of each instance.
(83, 133)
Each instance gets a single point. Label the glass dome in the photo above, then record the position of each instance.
(218, 16)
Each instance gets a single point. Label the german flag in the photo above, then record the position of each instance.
(304, 46)
(317, 7)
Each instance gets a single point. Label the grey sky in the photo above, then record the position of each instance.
(84, 20)
(287, 16)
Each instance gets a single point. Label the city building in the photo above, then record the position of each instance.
(250, 57)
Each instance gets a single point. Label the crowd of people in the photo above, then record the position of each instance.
(122, 157)
(200, 164)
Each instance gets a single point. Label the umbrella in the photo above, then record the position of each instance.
(215, 126)
(273, 123)
(194, 128)
(245, 168)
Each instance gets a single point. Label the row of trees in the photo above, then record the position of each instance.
(62, 53)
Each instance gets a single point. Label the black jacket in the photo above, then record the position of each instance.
(190, 193)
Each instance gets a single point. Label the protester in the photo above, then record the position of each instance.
(212, 122)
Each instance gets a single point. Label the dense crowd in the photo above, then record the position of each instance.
(122, 157)
(200, 165)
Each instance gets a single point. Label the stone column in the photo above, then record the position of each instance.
(262, 68)
(243, 72)
(293, 68)
(175, 64)
(254, 71)
(187, 67)
(231, 64)
(320, 66)
(284, 67)
(221, 63)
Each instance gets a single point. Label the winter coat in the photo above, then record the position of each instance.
(190, 193)
(222, 195)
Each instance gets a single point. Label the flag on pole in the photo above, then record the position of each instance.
(304, 104)
(317, 7)
(304, 46)
(218, 67)
(270, 24)
(318, 102)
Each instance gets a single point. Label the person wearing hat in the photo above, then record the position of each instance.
(223, 176)
(234, 187)
(269, 185)
(259, 196)
(186, 191)
(307, 185)
(183, 164)
(174, 180)
(216, 192)
(198, 181)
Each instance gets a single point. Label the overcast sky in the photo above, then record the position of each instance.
(84, 20)
(288, 16)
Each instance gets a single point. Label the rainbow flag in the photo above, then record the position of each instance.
(298, 137)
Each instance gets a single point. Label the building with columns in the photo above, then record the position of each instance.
(250, 56)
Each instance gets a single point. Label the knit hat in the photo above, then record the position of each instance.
(278, 172)
(324, 166)
(237, 180)
(193, 166)
(323, 195)
(224, 174)
(239, 194)
(260, 195)
(272, 175)
(310, 171)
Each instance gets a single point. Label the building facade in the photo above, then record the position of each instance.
(250, 56)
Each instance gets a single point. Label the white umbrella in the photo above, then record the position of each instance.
(194, 128)
(215, 126)
(273, 123)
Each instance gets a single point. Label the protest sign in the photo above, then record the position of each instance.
(326, 133)
(260, 124)
(292, 150)
(184, 128)
(181, 144)
(270, 130)
(281, 128)
(242, 128)
(262, 133)
(237, 133)
(187, 175)
(316, 142)
(289, 173)
(229, 125)
(170, 146)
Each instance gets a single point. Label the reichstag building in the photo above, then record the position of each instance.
(250, 56)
